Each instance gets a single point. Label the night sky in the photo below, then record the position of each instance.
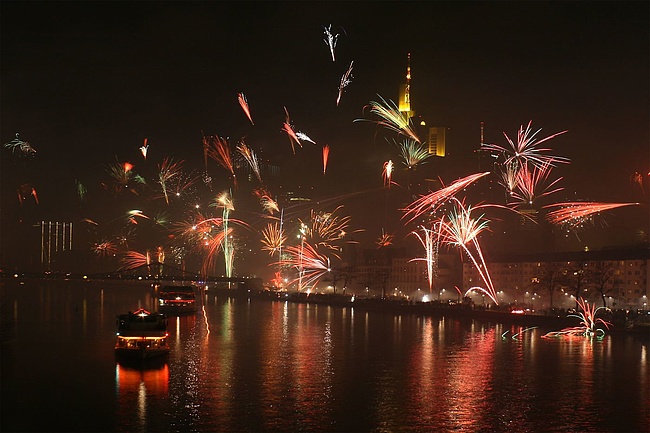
(86, 82)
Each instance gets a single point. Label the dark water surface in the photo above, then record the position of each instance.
(256, 366)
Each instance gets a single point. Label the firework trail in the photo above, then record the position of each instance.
(250, 156)
(21, 147)
(637, 179)
(133, 214)
(330, 40)
(326, 155)
(224, 200)
(429, 240)
(304, 137)
(526, 150)
(134, 259)
(218, 149)
(288, 128)
(167, 171)
(388, 172)
(24, 191)
(508, 177)
(462, 230)
(431, 202)
(144, 149)
(244, 105)
(311, 265)
(413, 153)
(392, 118)
(345, 80)
(81, 190)
(575, 214)
(528, 183)
(588, 322)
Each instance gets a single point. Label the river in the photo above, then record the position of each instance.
(251, 365)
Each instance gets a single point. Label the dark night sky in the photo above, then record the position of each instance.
(85, 82)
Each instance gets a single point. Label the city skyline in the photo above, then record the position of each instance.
(88, 83)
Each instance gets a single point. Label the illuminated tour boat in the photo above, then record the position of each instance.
(175, 300)
(141, 335)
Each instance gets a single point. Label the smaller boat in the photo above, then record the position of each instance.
(141, 335)
(175, 300)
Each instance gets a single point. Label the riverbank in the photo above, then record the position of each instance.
(621, 324)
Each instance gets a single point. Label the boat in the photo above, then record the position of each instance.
(141, 335)
(176, 300)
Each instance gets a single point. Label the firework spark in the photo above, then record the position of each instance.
(346, 79)
(244, 105)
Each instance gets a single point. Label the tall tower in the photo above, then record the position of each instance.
(405, 92)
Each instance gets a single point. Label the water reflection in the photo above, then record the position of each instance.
(279, 366)
(139, 388)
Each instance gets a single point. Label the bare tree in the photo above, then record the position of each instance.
(576, 277)
(550, 278)
(602, 279)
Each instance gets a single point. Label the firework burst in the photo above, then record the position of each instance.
(431, 202)
(525, 149)
(20, 147)
(574, 214)
(330, 40)
(251, 158)
(588, 322)
(273, 238)
(413, 153)
(218, 149)
(392, 118)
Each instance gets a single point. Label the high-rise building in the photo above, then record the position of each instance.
(405, 92)
(436, 137)
(437, 140)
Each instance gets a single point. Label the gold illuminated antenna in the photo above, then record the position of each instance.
(405, 92)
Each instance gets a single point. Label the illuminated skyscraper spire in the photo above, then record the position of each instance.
(405, 92)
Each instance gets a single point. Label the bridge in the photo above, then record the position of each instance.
(156, 272)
